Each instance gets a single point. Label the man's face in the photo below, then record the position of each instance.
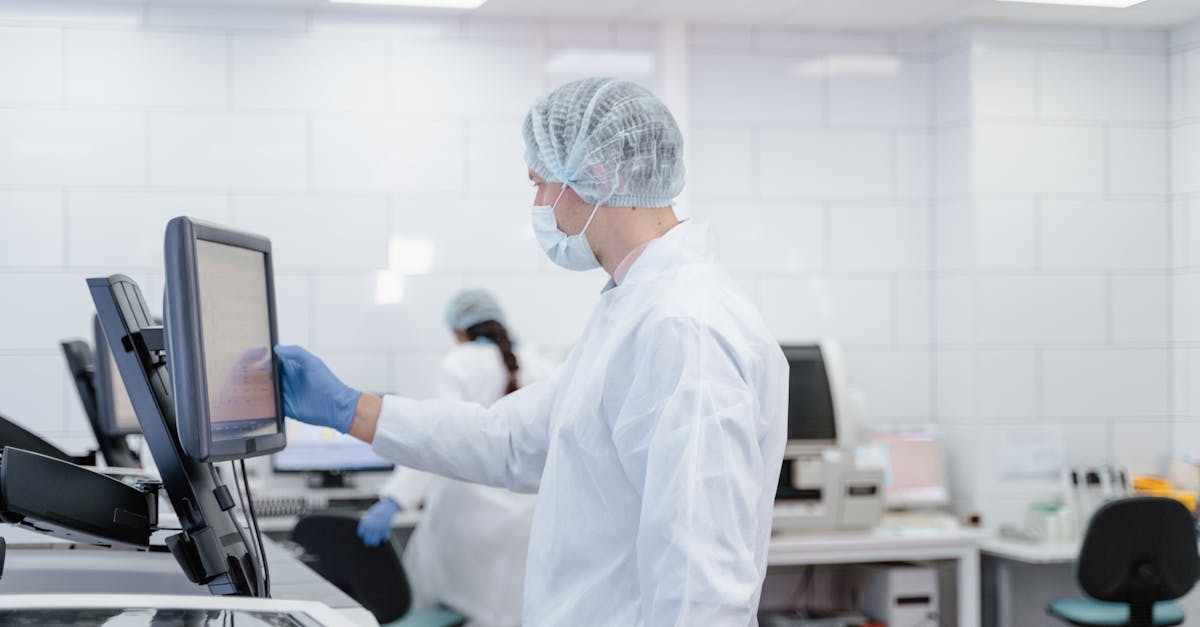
(571, 212)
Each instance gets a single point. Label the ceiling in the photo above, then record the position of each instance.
(842, 14)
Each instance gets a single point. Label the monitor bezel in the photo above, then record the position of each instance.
(185, 342)
(835, 376)
(106, 408)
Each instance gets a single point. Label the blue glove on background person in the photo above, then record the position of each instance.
(312, 393)
(375, 526)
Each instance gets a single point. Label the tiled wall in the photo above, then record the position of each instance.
(1053, 290)
(1185, 190)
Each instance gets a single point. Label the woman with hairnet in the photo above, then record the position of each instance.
(655, 450)
(468, 551)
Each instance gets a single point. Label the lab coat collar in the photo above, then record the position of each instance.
(688, 242)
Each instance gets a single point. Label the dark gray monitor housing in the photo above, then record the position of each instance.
(82, 364)
(202, 438)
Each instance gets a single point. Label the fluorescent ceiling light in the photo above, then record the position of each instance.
(1112, 4)
(436, 4)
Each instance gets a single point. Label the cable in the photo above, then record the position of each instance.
(257, 533)
(256, 556)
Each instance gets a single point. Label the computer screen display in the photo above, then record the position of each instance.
(317, 449)
(117, 416)
(238, 357)
(912, 465)
(810, 402)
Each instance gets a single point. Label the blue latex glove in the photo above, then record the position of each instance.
(312, 393)
(375, 526)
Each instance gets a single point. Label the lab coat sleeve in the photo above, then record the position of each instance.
(503, 445)
(407, 487)
(688, 432)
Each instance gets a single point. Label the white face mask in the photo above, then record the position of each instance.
(572, 252)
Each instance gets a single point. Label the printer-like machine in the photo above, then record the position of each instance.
(820, 488)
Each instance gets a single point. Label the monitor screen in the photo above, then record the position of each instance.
(316, 449)
(117, 416)
(238, 357)
(912, 466)
(124, 418)
(810, 402)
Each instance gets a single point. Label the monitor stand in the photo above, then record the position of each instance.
(328, 479)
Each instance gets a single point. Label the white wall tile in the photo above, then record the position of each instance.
(525, 307)
(64, 309)
(31, 391)
(1088, 443)
(1002, 82)
(501, 29)
(1184, 34)
(893, 384)
(73, 12)
(1143, 446)
(1186, 303)
(1006, 384)
(495, 157)
(305, 234)
(766, 237)
(912, 165)
(1046, 34)
(878, 88)
(1005, 233)
(32, 231)
(955, 376)
(720, 37)
(1137, 161)
(347, 315)
(1020, 158)
(454, 228)
(489, 79)
(951, 87)
(953, 236)
(825, 164)
(308, 73)
(913, 310)
(1153, 39)
(1177, 84)
(954, 310)
(1040, 308)
(1185, 158)
(1185, 440)
(123, 231)
(387, 154)
(146, 68)
(1103, 86)
(276, 18)
(1104, 234)
(565, 63)
(952, 164)
(293, 305)
(341, 20)
(848, 310)
(819, 41)
(1140, 308)
(721, 162)
(414, 373)
(635, 34)
(369, 372)
(894, 238)
(1191, 60)
(31, 64)
(228, 151)
(1105, 383)
(42, 147)
(732, 87)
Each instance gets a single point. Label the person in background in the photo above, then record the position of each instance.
(468, 551)
(655, 450)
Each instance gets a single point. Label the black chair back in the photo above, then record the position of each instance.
(1140, 551)
(373, 576)
(16, 436)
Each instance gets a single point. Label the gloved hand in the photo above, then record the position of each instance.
(375, 526)
(312, 393)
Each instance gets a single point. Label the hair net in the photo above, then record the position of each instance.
(611, 141)
(470, 307)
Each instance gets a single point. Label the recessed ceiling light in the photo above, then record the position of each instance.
(1112, 4)
(435, 4)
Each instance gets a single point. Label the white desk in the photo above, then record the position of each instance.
(285, 524)
(892, 544)
(1026, 577)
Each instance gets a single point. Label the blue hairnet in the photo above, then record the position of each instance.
(611, 141)
(470, 307)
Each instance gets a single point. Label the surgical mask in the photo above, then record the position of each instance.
(572, 252)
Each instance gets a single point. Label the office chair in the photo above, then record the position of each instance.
(1138, 555)
(373, 576)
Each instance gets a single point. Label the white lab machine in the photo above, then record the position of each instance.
(899, 594)
(913, 460)
(820, 486)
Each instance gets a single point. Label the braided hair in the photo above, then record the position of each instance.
(494, 331)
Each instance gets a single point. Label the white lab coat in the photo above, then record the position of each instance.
(469, 550)
(655, 450)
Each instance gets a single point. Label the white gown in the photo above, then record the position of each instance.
(469, 550)
(655, 450)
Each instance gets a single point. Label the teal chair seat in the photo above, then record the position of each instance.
(428, 618)
(1091, 613)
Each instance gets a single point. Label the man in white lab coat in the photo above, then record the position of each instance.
(655, 450)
